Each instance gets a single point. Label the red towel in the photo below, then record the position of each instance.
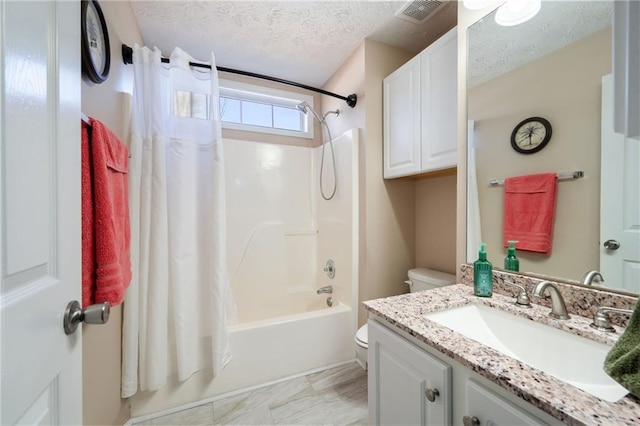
(529, 211)
(111, 231)
(88, 237)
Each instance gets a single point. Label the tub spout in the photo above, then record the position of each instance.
(327, 289)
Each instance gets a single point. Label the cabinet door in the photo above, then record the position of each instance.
(439, 86)
(400, 376)
(490, 409)
(401, 121)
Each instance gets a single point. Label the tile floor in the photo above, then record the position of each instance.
(332, 397)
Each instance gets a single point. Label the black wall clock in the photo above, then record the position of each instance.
(96, 55)
(531, 135)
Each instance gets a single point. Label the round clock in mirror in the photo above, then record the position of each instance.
(96, 55)
(531, 135)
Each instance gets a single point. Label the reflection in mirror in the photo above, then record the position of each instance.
(551, 67)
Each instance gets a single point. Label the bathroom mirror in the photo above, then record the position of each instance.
(550, 67)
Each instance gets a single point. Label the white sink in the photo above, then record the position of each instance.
(573, 359)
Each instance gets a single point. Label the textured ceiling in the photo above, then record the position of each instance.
(495, 50)
(303, 41)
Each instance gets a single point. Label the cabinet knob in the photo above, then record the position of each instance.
(431, 394)
(470, 421)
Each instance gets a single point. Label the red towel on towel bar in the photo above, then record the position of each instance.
(529, 211)
(88, 237)
(111, 231)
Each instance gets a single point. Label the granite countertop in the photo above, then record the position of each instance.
(560, 399)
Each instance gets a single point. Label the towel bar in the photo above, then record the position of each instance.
(561, 176)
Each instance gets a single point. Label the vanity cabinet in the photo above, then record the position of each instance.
(420, 111)
(407, 386)
(403, 376)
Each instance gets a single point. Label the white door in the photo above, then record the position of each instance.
(39, 211)
(620, 201)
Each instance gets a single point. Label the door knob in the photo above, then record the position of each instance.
(92, 314)
(431, 394)
(611, 245)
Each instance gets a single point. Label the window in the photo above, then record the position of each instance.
(251, 108)
(260, 109)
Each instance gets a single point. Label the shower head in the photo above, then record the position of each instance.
(304, 107)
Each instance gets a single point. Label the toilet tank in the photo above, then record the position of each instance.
(426, 279)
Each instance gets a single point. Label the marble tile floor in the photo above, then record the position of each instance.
(337, 396)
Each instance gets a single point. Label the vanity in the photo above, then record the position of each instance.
(446, 357)
(424, 370)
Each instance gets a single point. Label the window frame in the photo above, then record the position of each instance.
(266, 95)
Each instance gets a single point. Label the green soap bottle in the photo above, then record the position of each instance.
(511, 262)
(482, 274)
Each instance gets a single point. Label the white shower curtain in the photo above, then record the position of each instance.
(179, 302)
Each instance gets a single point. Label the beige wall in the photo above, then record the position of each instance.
(565, 88)
(436, 223)
(101, 345)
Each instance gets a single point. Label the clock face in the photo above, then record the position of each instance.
(95, 42)
(95, 37)
(531, 135)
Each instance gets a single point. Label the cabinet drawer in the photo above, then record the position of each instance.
(491, 409)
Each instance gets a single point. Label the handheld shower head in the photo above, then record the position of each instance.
(304, 107)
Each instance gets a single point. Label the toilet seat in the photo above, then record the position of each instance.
(362, 336)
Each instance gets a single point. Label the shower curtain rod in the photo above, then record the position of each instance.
(351, 100)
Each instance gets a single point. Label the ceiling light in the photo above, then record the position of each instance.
(515, 12)
(477, 4)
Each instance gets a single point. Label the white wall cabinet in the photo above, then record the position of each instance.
(400, 373)
(420, 111)
(402, 121)
(407, 386)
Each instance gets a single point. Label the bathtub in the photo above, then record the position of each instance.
(263, 351)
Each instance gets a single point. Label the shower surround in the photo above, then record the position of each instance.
(280, 233)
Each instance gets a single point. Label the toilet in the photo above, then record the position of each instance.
(420, 279)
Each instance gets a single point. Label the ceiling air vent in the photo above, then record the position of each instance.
(418, 11)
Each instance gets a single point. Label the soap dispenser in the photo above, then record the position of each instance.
(482, 274)
(511, 262)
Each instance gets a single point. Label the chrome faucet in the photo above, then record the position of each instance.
(523, 297)
(601, 320)
(327, 289)
(592, 277)
(558, 308)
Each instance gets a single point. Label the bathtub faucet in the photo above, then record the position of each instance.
(327, 289)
